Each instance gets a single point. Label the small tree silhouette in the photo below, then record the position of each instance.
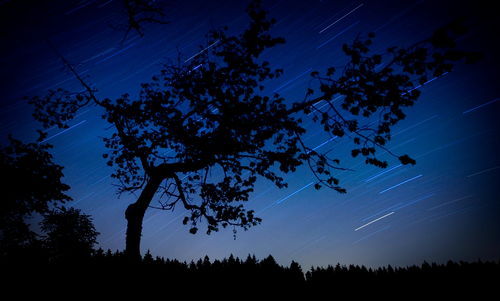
(69, 234)
(213, 113)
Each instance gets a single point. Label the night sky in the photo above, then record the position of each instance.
(446, 207)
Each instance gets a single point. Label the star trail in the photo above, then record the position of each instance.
(446, 207)
(375, 220)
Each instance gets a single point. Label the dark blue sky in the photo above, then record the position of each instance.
(445, 207)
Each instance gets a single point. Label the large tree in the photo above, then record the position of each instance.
(213, 112)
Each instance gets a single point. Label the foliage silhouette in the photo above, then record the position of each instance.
(31, 184)
(213, 113)
(32, 187)
(69, 233)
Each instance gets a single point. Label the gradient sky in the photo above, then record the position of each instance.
(446, 207)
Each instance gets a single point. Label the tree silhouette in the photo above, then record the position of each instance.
(31, 183)
(141, 12)
(213, 113)
(69, 234)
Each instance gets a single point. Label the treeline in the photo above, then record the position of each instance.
(234, 267)
(112, 274)
(115, 266)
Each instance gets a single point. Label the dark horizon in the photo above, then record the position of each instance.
(446, 207)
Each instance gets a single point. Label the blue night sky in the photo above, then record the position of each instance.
(445, 207)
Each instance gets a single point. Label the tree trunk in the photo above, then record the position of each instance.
(135, 214)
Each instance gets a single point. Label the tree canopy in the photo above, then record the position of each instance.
(69, 233)
(31, 184)
(34, 191)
